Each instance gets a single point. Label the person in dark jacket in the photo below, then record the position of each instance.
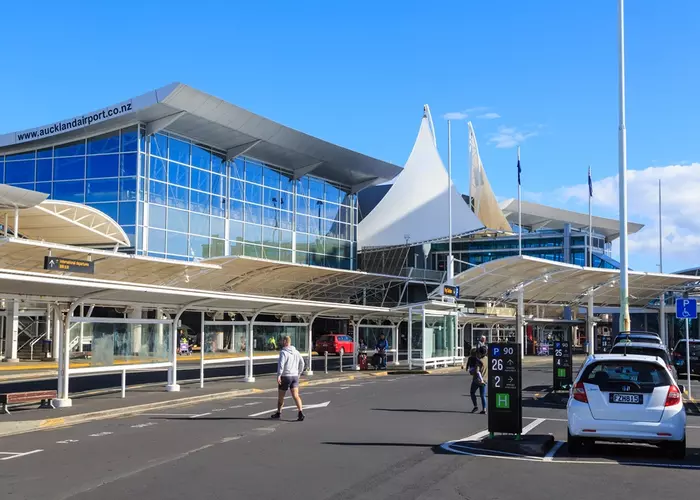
(382, 348)
(476, 367)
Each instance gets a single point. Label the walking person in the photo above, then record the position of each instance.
(289, 366)
(477, 369)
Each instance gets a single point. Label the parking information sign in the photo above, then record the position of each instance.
(505, 408)
(562, 365)
(686, 309)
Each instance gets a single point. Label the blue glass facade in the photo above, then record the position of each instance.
(182, 200)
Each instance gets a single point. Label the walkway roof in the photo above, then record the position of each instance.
(548, 282)
(538, 216)
(233, 130)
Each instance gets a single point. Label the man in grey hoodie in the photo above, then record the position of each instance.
(289, 366)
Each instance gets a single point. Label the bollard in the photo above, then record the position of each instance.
(341, 361)
(123, 383)
(325, 361)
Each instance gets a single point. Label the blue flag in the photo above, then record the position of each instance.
(519, 171)
(590, 183)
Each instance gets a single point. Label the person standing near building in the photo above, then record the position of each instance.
(476, 367)
(289, 366)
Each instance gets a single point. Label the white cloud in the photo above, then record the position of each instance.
(464, 114)
(456, 115)
(509, 137)
(680, 223)
(489, 116)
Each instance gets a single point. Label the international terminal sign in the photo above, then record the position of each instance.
(69, 265)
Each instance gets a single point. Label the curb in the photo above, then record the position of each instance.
(15, 428)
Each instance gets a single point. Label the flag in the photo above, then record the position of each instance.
(519, 171)
(590, 183)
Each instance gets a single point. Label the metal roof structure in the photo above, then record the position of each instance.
(548, 282)
(201, 117)
(12, 197)
(66, 223)
(536, 216)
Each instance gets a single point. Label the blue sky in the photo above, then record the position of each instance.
(358, 73)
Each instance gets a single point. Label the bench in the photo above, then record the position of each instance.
(45, 397)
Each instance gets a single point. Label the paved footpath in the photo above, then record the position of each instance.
(370, 437)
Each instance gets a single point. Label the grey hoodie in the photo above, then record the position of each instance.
(290, 363)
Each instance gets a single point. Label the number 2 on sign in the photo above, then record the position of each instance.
(497, 364)
(497, 381)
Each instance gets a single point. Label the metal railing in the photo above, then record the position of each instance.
(33, 343)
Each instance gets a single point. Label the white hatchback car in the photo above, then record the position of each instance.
(626, 398)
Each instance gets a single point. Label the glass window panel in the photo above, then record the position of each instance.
(201, 202)
(76, 148)
(315, 225)
(302, 257)
(345, 198)
(2, 171)
(218, 206)
(156, 241)
(201, 157)
(111, 209)
(271, 177)
(285, 221)
(201, 180)
(44, 187)
(271, 237)
(178, 197)
(20, 171)
(218, 184)
(218, 163)
(129, 139)
(127, 213)
(285, 238)
(218, 226)
(303, 186)
(158, 169)
(142, 138)
(286, 182)
(344, 214)
(302, 205)
(236, 210)
(285, 255)
(29, 155)
(69, 191)
(69, 168)
(253, 193)
(45, 153)
(302, 223)
(179, 150)
(236, 248)
(127, 189)
(199, 247)
(332, 246)
(253, 213)
(156, 217)
(235, 231)
(105, 143)
(330, 228)
(332, 210)
(102, 166)
(285, 201)
(159, 145)
(253, 233)
(316, 245)
(271, 217)
(217, 247)
(237, 189)
(271, 197)
(253, 250)
(102, 190)
(178, 174)
(199, 224)
(177, 243)
(157, 192)
(344, 263)
(316, 188)
(238, 168)
(129, 167)
(332, 193)
(271, 253)
(130, 233)
(24, 185)
(302, 242)
(177, 221)
(253, 171)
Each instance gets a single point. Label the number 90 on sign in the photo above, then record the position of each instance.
(508, 351)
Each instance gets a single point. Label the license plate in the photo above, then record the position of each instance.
(632, 399)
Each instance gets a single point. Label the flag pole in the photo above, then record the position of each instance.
(450, 259)
(622, 150)
(520, 212)
(590, 218)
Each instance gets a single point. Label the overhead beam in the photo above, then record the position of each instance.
(359, 187)
(241, 149)
(301, 172)
(157, 125)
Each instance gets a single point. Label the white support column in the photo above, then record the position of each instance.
(173, 386)
(81, 335)
(135, 313)
(63, 401)
(48, 327)
(57, 325)
(422, 338)
(662, 320)
(356, 344)
(310, 345)
(520, 326)
(395, 342)
(159, 331)
(249, 351)
(11, 331)
(590, 325)
(410, 338)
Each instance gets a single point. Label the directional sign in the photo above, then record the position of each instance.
(450, 291)
(505, 406)
(686, 308)
(69, 265)
(562, 365)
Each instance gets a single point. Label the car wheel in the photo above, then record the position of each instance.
(341, 352)
(676, 449)
(576, 444)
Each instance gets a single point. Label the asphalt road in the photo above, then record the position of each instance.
(367, 438)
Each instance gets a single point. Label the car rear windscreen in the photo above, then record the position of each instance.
(644, 351)
(614, 375)
(694, 348)
(326, 338)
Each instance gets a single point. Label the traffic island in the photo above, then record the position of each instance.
(530, 444)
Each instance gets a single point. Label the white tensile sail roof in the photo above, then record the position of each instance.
(415, 209)
(481, 195)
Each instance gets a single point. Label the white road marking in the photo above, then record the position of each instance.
(475, 437)
(201, 415)
(17, 455)
(167, 414)
(67, 441)
(235, 406)
(218, 409)
(139, 426)
(100, 434)
(532, 425)
(232, 438)
(550, 454)
(253, 403)
(308, 407)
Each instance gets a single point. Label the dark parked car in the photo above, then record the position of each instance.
(680, 358)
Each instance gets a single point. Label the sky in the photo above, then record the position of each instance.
(542, 75)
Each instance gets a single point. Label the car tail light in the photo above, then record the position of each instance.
(673, 397)
(579, 393)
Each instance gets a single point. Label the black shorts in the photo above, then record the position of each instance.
(288, 383)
